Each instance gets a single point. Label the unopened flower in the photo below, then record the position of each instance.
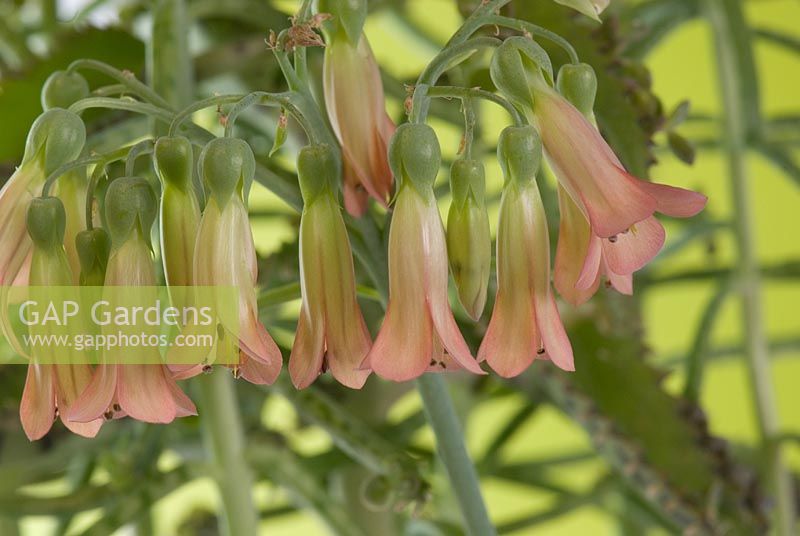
(419, 332)
(331, 333)
(71, 190)
(146, 391)
(356, 108)
(525, 323)
(52, 385)
(225, 254)
(180, 210)
(469, 242)
(590, 8)
(56, 137)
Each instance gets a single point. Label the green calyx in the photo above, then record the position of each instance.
(467, 180)
(46, 221)
(578, 84)
(317, 171)
(130, 205)
(518, 65)
(227, 166)
(63, 89)
(348, 16)
(94, 248)
(415, 155)
(519, 151)
(173, 158)
(55, 138)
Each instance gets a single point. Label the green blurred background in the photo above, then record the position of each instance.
(404, 36)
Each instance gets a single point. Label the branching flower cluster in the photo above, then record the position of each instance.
(59, 228)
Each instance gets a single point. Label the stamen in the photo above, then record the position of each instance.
(108, 415)
(117, 407)
(236, 373)
(207, 369)
(612, 239)
(540, 351)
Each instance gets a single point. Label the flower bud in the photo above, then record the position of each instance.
(180, 210)
(519, 151)
(56, 137)
(94, 247)
(578, 84)
(71, 190)
(63, 89)
(173, 159)
(469, 243)
(46, 220)
(317, 171)
(415, 155)
(130, 203)
(348, 15)
(227, 165)
(517, 65)
(590, 8)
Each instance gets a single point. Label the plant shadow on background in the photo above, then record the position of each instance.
(681, 416)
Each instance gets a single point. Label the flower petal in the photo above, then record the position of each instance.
(70, 382)
(98, 396)
(633, 250)
(584, 164)
(675, 202)
(37, 409)
(572, 252)
(554, 338)
(435, 259)
(308, 350)
(511, 341)
(144, 393)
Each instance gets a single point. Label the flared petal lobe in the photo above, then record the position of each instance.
(418, 319)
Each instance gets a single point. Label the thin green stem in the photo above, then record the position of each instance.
(471, 25)
(740, 99)
(225, 440)
(126, 78)
(476, 93)
(158, 112)
(186, 113)
(450, 445)
(144, 147)
(446, 59)
(533, 30)
(286, 101)
(111, 90)
(69, 166)
(99, 170)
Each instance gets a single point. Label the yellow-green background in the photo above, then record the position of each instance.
(682, 67)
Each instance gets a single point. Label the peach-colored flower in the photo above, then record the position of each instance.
(355, 102)
(419, 332)
(607, 215)
(52, 385)
(225, 256)
(611, 199)
(145, 391)
(331, 332)
(525, 323)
